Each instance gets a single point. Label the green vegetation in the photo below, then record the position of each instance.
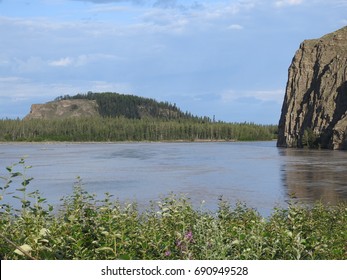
(310, 139)
(131, 118)
(124, 129)
(132, 107)
(84, 227)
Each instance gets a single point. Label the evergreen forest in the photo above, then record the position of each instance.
(112, 104)
(123, 129)
(131, 118)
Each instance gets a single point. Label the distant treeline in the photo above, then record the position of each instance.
(112, 104)
(125, 129)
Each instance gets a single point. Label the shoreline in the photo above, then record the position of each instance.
(129, 142)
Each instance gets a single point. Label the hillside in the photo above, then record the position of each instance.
(108, 104)
(113, 117)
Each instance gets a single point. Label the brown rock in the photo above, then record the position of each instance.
(64, 109)
(314, 108)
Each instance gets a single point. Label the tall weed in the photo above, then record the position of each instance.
(85, 227)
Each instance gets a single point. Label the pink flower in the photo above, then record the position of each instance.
(167, 253)
(189, 236)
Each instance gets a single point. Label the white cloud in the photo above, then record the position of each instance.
(103, 86)
(10, 79)
(111, 1)
(143, 19)
(192, 20)
(223, 10)
(70, 31)
(235, 27)
(63, 62)
(162, 21)
(33, 63)
(34, 24)
(282, 3)
(15, 87)
(19, 88)
(165, 4)
(108, 9)
(83, 59)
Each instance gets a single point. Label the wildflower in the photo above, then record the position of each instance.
(183, 244)
(168, 253)
(189, 236)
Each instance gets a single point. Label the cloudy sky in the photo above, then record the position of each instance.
(227, 58)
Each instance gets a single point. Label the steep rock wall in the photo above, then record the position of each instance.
(64, 109)
(314, 108)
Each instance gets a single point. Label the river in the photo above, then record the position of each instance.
(256, 173)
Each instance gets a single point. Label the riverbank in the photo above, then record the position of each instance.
(120, 142)
(85, 226)
(130, 142)
(90, 229)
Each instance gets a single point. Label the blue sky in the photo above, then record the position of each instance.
(227, 58)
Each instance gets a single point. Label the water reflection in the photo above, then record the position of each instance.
(315, 175)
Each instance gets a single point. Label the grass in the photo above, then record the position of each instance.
(84, 227)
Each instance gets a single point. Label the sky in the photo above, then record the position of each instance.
(222, 58)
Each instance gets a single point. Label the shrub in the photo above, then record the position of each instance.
(84, 227)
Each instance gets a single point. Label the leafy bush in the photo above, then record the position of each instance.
(310, 139)
(84, 227)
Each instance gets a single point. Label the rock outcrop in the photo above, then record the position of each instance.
(64, 109)
(314, 108)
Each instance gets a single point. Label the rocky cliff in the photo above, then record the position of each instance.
(64, 109)
(314, 108)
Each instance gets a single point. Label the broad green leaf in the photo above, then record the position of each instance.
(24, 247)
(16, 174)
(44, 232)
(104, 249)
(26, 182)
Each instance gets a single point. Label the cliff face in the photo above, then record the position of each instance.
(64, 109)
(314, 108)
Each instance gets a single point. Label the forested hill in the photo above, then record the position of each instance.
(131, 106)
(117, 117)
